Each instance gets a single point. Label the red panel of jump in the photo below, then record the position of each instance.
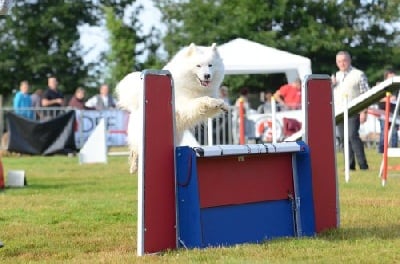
(228, 180)
(321, 140)
(159, 171)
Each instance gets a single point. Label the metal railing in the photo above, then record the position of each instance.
(86, 121)
(220, 130)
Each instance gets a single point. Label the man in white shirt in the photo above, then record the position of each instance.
(101, 101)
(350, 82)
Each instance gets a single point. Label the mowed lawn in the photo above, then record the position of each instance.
(71, 213)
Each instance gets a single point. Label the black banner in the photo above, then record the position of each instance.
(55, 136)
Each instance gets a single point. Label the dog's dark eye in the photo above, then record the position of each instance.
(209, 65)
(198, 65)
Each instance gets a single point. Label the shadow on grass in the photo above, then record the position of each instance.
(41, 186)
(390, 231)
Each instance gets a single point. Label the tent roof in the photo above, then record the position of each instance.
(242, 56)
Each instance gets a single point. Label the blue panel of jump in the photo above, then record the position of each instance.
(305, 191)
(252, 222)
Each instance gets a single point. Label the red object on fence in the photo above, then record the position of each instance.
(241, 123)
(385, 138)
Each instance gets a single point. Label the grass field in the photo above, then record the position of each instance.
(71, 213)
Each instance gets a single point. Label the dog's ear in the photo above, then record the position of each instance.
(214, 49)
(191, 49)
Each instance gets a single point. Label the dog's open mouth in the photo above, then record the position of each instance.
(204, 83)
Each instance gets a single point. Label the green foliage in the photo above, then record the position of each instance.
(41, 39)
(123, 39)
(128, 43)
(315, 29)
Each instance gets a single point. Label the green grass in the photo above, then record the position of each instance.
(71, 213)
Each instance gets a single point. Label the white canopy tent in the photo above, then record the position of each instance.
(242, 56)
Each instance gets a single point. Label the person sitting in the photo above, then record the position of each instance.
(289, 95)
(22, 101)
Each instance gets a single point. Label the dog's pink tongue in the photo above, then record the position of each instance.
(205, 83)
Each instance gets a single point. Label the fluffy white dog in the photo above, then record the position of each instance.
(197, 74)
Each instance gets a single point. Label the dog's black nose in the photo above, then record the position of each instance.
(207, 76)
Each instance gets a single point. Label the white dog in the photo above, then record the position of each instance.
(197, 74)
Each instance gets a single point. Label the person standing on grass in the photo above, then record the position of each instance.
(351, 82)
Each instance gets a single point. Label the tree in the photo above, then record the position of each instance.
(122, 38)
(41, 38)
(128, 43)
(315, 29)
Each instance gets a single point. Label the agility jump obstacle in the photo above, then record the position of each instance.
(229, 194)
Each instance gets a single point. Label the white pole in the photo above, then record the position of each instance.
(273, 121)
(346, 139)
(210, 132)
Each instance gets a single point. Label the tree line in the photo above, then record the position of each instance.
(41, 38)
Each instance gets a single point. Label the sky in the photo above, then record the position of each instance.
(94, 39)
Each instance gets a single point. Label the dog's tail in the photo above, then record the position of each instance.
(128, 91)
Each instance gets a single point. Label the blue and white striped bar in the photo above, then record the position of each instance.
(219, 150)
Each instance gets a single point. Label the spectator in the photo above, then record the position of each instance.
(244, 93)
(101, 101)
(22, 101)
(52, 97)
(77, 101)
(289, 95)
(351, 82)
(36, 99)
(389, 73)
(243, 97)
(266, 106)
(224, 94)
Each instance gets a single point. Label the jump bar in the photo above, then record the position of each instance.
(220, 150)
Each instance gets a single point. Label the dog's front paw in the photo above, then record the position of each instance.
(220, 105)
(213, 106)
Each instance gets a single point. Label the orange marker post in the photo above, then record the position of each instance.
(241, 122)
